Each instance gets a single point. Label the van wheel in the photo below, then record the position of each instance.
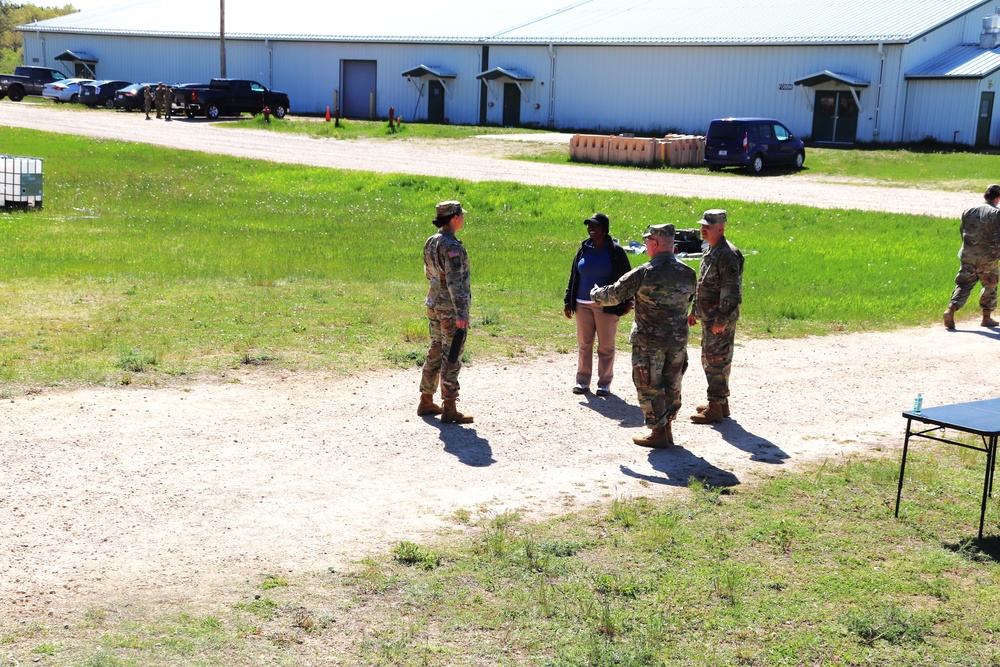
(757, 165)
(800, 159)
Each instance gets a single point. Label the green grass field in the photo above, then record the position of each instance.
(197, 263)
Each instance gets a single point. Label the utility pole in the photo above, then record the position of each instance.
(222, 37)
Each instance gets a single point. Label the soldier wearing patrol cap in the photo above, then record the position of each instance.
(978, 256)
(717, 307)
(446, 266)
(663, 289)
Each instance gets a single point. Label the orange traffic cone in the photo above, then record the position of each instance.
(328, 114)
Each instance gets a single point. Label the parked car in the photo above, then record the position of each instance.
(67, 90)
(130, 98)
(101, 93)
(27, 80)
(753, 143)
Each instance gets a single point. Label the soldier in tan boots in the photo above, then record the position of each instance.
(446, 265)
(978, 255)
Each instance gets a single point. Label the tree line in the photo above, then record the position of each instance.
(13, 15)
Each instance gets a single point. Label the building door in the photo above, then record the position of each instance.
(358, 80)
(511, 105)
(835, 117)
(435, 102)
(985, 119)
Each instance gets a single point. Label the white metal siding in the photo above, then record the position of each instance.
(938, 109)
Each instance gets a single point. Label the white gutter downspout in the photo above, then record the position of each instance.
(552, 86)
(270, 62)
(878, 91)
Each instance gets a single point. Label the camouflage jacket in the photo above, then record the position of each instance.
(663, 289)
(720, 284)
(446, 265)
(979, 234)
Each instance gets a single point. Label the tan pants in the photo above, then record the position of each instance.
(590, 320)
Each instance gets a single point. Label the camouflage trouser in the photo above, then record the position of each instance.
(657, 374)
(968, 275)
(717, 359)
(442, 330)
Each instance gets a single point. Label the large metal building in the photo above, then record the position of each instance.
(839, 71)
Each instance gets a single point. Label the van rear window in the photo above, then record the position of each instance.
(725, 129)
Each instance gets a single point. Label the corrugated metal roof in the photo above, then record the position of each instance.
(962, 62)
(378, 20)
(709, 22)
(743, 21)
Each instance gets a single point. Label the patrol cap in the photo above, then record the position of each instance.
(993, 191)
(659, 230)
(449, 208)
(713, 216)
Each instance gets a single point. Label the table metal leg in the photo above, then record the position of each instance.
(991, 448)
(902, 466)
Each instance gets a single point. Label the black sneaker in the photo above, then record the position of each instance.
(580, 388)
(603, 391)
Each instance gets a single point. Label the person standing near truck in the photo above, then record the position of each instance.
(147, 100)
(446, 266)
(158, 97)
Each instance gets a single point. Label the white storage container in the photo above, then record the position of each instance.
(20, 181)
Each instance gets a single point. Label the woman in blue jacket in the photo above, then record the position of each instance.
(600, 261)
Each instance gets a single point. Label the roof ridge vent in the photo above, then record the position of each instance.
(990, 38)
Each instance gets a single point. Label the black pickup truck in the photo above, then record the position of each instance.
(231, 97)
(27, 80)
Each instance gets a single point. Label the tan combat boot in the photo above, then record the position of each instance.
(451, 415)
(427, 406)
(713, 415)
(987, 320)
(702, 409)
(658, 438)
(949, 319)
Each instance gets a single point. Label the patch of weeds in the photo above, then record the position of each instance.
(705, 492)
(462, 516)
(560, 548)
(102, 659)
(304, 621)
(624, 512)
(405, 358)
(272, 581)
(619, 586)
(249, 358)
(891, 624)
(496, 541)
(727, 585)
(409, 553)
(134, 360)
(46, 649)
(264, 608)
(372, 580)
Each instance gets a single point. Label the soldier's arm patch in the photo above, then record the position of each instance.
(454, 253)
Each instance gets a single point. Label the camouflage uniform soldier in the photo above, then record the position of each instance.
(978, 255)
(717, 307)
(663, 289)
(147, 100)
(158, 96)
(446, 265)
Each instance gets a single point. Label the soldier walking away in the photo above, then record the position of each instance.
(978, 256)
(158, 96)
(662, 289)
(168, 102)
(446, 265)
(147, 100)
(717, 308)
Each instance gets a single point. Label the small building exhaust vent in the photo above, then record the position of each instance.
(990, 38)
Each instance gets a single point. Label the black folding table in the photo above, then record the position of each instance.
(980, 418)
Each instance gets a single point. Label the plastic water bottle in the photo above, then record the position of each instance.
(918, 403)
